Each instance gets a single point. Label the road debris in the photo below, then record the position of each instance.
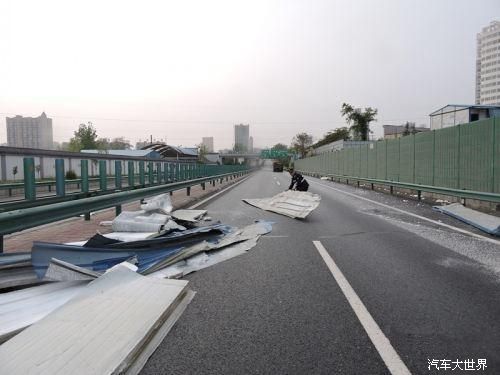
(487, 223)
(291, 203)
(122, 312)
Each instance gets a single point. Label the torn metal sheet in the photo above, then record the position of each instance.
(189, 215)
(20, 276)
(247, 236)
(59, 270)
(22, 308)
(160, 203)
(291, 203)
(131, 236)
(95, 259)
(184, 238)
(121, 312)
(487, 223)
(14, 260)
(139, 221)
(204, 260)
(76, 243)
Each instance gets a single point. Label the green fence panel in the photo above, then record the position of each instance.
(381, 160)
(340, 162)
(392, 159)
(496, 156)
(363, 156)
(407, 158)
(424, 149)
(476, 155)
(446, 154)
(372, 160)
(356, 160)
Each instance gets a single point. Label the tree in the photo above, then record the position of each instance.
(202, 151)
(333, 136)
(301, 143)
(359, 120)
(85, 138)
(120, 143)
(280, 147)
(14, 171)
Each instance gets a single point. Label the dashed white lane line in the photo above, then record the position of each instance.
(463, 231)
(217, 194)
(389, 355)
(278, 182)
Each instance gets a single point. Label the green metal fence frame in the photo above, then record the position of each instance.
(21, 219)
(462, 161)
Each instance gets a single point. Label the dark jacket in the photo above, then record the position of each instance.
(299, 181)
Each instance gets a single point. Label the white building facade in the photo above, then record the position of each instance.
(30, 132)
(241, 137)
(488, 65)
(208, 142)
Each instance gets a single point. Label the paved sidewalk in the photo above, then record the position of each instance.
(77, 229)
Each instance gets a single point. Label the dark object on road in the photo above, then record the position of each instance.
(298, 181)
(277, 167)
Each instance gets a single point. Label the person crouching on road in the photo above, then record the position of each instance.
(298, 181)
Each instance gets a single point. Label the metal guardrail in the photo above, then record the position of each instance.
(462, 194)
(52, 183)
(18, 220)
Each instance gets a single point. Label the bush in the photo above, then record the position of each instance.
(71, 175)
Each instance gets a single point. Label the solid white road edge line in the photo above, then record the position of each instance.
(463, 231)
(391, 359)
(217, 194)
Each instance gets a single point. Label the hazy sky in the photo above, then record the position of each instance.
(184, 69)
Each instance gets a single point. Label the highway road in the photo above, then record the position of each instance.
(356, 288)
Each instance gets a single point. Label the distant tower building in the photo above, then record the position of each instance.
(241, 137)
(488, 65)
(250, 144)
(30, 132)
(208, 142)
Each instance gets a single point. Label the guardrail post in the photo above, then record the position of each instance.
(391, 189)
(130, 174)
(150, 173)
(60, 178)
(419, 194)
(84, 173)
(118, 210)
(103, 181)
(29, 179)
(188, 191)
(118, 174)
(203, 186)
(142, 177)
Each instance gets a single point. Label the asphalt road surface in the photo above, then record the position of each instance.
(378, 292)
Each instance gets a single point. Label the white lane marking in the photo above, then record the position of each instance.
(274, 236)
(389, 355)
(463, 231)
(278, 182)
(217, 194)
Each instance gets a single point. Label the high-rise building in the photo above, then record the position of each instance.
(208, 142)
(30, 132)
(250, 144)
(488, 65)
(241, 137)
